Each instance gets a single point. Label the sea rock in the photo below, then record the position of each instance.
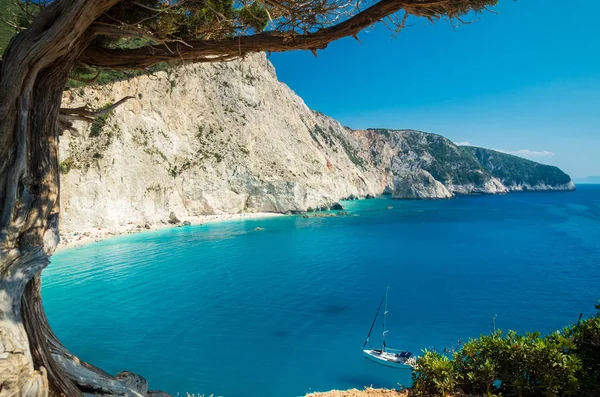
(337, 206)
(157, 393)
(419, 185)
(317, 215)
(173, 220)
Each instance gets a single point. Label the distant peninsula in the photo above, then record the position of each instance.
(519, 174)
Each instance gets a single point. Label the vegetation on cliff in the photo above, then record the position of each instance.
(564, 363)
(448, 164)
(9, 8)
(422, 165)
(517, 171)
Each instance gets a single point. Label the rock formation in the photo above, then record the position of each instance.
(418, 165)
(519, 174)
(230, 138)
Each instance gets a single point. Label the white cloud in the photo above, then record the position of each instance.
(463, 143)
(527, 152)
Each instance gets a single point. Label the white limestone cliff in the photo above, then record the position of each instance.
(230, 138)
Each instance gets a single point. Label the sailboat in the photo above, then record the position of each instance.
(385, 356)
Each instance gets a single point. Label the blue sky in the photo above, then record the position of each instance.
(525, 80)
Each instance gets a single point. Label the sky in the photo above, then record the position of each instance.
(525, 80)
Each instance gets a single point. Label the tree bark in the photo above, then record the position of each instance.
(33, 74)
(29, 233)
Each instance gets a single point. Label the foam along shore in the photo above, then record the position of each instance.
(77, 238)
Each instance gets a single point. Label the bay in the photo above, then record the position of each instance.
(229, 310)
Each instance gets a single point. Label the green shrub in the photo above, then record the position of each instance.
(435, 374)
(585, 336)
(564, 363)
(97, 126)
(107, 76)
(66, 165)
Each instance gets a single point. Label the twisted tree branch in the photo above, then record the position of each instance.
(206, 50)
(67, 116)
(86, 114)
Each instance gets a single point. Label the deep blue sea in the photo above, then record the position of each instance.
(236, 312)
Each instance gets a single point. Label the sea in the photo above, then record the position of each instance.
(279, 307)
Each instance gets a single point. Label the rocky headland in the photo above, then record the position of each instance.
(218, 139)
(519, 174)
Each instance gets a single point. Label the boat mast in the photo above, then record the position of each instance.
(373, 323)
(385, 312)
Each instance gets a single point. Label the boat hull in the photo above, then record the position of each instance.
(387, 359)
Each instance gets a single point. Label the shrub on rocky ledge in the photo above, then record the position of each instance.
(564, 363)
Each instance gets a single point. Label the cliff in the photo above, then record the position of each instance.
(422, 165)
(203, 139)
(230, 138)
(519, 174)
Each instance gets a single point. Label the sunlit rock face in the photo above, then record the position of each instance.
(230, 138)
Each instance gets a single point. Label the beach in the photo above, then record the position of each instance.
(81, 237)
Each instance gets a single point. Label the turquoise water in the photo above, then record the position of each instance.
(225, 309)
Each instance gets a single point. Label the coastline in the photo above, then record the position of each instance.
(74, 238)
(80, 237)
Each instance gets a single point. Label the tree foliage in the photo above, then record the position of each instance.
(7, 26)
(139, 33)
(213, 19)
(564, 363)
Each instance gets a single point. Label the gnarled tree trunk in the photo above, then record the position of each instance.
(33, 75)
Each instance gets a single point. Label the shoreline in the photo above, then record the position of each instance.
(75, 238)
(81, 237)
